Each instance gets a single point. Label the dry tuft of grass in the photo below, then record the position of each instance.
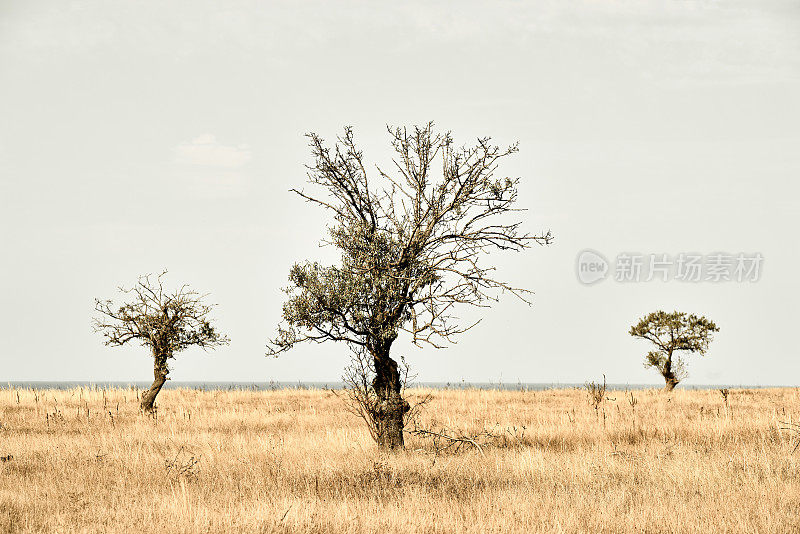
(85, 460)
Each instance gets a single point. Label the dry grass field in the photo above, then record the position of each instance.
(295, 461)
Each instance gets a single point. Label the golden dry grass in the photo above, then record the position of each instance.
(296, 461)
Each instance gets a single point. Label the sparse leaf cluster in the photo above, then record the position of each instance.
(165, 322)
(411, 247)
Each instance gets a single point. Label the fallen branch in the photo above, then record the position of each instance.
(452, 442)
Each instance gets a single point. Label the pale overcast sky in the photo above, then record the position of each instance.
(137, 136)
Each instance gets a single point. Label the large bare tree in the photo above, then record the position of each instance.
(413, 242)
(165, 322)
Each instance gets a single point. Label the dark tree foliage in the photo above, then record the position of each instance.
(165, 322)
(672, 334)
(413, 243)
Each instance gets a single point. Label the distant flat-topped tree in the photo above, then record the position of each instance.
(672, 334)
(165, 322)
(413, 244)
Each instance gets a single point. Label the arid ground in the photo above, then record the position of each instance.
(85, 460)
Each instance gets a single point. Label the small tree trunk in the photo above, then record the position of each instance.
(671, 382)
(391, 405)
(160, 377)
(669, 377)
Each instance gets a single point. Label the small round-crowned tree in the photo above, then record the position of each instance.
(165, 322)
(672, 334)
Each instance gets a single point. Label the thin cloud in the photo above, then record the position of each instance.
(205, 151)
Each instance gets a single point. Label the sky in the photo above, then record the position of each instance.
(150, 135)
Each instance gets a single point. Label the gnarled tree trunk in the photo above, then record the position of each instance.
(671, 382)
(669, 375)
(160, 372)
(391, 405)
